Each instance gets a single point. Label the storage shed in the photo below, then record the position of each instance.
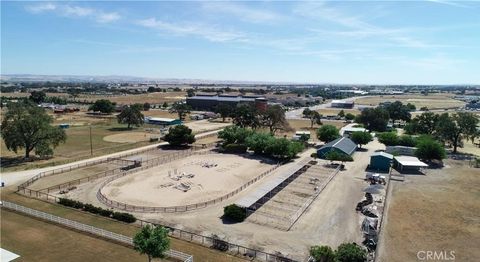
(380, 161)
(341, 145)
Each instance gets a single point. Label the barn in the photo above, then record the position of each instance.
(380, 161)
(340, 145)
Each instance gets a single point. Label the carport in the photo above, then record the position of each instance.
(408, 163)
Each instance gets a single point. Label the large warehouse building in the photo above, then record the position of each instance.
(207, 102)
(342, 104)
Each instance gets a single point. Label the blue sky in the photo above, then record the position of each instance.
(359, 42)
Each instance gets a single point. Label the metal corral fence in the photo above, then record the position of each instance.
(121, 171)
(222, 245)
(87, 228)
(304, 207)
(172, 209)
(103, 173)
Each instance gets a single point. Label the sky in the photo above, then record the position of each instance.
(343, 42)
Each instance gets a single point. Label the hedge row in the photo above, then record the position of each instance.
(120, 216)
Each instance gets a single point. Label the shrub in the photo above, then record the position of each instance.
(350, 252)
(125, 217)
(314, 155)
(322, 253)
(429, 149)
(388, 138)
(105, 213)
(235, 148)
(234, 213)
(406, 140)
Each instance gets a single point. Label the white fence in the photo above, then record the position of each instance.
(89, 229)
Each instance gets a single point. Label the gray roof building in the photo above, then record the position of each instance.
(342, 145)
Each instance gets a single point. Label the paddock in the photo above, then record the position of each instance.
(191, 180)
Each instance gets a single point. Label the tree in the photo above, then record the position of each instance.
(190, 92)
(398, 111)
(283, 148)
(26, 126)
(327, 133)
(349, 116)
(274, 119)
(165, 105)
(103, 105)
(131, 115)
(350, 252)
(181, 109)
(322, 254)
(429, 149)
(234, 135)
(306, 112)
(315, 118)
(341, 113)
(224, 110)
(424, 123)
(374, 119)
(179, 135)
(146, 106)
(152, 241)
(245, 115)
(411, 107)
(456, 127)
(257, 142)
(151, 89)
(361, 138)
(388, 138)
(38, 96)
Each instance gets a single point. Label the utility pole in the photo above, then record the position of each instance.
(91, 145)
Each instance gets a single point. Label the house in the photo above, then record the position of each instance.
(380, 161)
(340, 145)
(162, 121)
(407, 163)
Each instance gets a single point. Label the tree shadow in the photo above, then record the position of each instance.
(361, 149)
(17, 160)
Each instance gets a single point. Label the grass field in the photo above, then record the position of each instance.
(200, 253)
(436, 212)
(37, 240)
(431, 101)
(152, 98)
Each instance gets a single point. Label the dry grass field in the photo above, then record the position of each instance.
(37, 240)
(152, 98)
(436, 212)
(200, 253)
(431, 101)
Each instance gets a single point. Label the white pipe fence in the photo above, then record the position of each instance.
(87, 228)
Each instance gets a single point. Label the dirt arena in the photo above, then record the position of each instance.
(186, 181)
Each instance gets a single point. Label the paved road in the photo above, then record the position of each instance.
(17, 177)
